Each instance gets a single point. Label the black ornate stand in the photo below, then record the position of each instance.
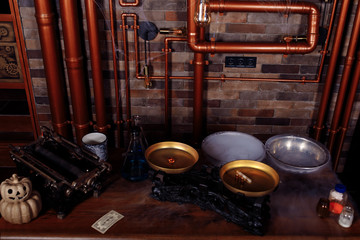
(205, 189)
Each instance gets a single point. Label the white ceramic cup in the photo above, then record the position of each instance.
(96, 143)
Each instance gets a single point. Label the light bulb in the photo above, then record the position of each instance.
(202, 13)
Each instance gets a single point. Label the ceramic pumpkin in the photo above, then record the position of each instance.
(19, 203)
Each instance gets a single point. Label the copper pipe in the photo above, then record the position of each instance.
(50, 46)
(274, 7)
(331, 69)
(128, 4)
(167, 50)
(198, 92)
(95, 55)
(126, 63)
(348, 66)
(75, 67)
(199, 46)
(302, 80)
(116, 79)
(324, 52)
(347, 113)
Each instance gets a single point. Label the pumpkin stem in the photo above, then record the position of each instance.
(15, 178)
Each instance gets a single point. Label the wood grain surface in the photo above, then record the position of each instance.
(293, 215)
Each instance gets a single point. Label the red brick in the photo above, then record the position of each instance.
(44, 117)
(211, 128)
(268, 68)
(245, 28)
(300, 122)
(175, 16)
(272, 121)
(256, 112)
(237, 120)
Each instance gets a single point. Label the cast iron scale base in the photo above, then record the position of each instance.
(205, 189)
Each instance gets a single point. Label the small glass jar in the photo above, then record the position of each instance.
(346, 217)
(322, 208)
(338, 198)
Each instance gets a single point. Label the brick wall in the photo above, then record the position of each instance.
(259, 108)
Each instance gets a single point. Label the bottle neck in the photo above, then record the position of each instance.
(135, 143)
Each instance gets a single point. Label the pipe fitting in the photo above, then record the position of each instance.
(173, 31)
(241, 47)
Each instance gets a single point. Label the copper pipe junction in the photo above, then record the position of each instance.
(198, 45)
(271, 7)
(286, 48)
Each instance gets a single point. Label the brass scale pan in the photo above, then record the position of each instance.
(251, 178)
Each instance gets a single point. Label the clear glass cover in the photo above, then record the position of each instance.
(346, 217)
(202, 15)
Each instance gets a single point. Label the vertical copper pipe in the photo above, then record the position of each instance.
(75, 66)
(324, 52)
(167, 50)
(166, 112)
(95, 55)
(348, 66)
(126, 61)
(347, 112)
(126, 65)
(116, 79)
(50, 48)
(331, 69)
(198, 92)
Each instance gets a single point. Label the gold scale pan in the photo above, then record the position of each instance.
(251, 178)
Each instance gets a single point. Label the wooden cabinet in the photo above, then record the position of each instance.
(18, 120)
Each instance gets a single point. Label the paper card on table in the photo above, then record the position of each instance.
(107, 221)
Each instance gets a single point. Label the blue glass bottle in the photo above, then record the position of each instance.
(135, 167)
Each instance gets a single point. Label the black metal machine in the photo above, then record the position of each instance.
(63, 172)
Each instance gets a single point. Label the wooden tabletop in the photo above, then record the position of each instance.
(293, 215)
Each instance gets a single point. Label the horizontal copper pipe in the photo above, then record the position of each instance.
(55, 79)
(123, 3)
(243, 47)
(224, 78)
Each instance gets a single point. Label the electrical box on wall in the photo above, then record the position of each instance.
(240, 62)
